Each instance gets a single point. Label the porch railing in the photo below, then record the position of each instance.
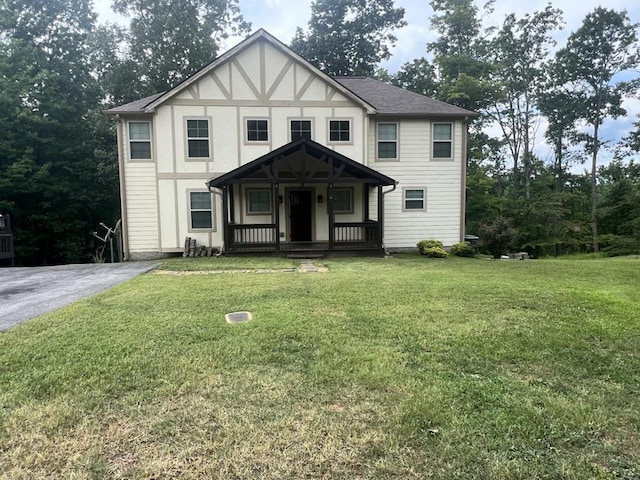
(356, 234)
(257, 236)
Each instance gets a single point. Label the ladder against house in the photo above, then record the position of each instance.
(6, 241)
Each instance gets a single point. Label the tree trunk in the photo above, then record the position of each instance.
(594, 200)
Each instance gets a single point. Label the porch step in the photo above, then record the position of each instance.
(301, 255)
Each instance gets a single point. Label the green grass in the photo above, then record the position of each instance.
(380, 368)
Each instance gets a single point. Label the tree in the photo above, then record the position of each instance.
(418, 76)
(349, 37)
(169, 40)
(605, 44)
(518, 52)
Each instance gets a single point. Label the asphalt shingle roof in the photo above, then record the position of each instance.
(391, 100)
(135, 107)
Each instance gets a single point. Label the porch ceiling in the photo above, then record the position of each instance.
(302, 161)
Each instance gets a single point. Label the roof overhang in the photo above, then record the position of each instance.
(302, 161)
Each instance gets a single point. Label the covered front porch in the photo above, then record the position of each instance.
(302, 197)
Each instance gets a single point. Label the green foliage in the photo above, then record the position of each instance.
(432, 248)
(349, 37)
(498, 237)
(462, 249)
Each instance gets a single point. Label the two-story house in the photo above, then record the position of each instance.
(260, 151)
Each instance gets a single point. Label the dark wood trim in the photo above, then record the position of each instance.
(232, 210)
(331, 215)
(225, 216)
(365, 202)
(380, 216)
(276, 209)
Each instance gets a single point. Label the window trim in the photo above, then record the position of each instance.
(404, 199)
(247, 141)
(301, 119)
(397, 142)
(248, 211)
(130, 141)
(340, 142)
(433, 141)
(187, 138)
(190, 210)
(350, 190)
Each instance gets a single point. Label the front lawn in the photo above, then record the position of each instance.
(377, 369)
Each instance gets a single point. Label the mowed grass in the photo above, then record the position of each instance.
(378, 369)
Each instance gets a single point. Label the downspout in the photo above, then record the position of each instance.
(393, 188)
(215, 191)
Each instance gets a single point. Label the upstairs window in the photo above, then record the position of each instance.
(339, 131)
(388, 140)
(140, 140)
(300, 128)
(200, 210)
(442, 140)
(198, 138)
(257, 131)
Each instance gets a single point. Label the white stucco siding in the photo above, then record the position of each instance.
(142, 207)
(164, 139)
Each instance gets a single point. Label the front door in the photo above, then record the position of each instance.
(300, 215)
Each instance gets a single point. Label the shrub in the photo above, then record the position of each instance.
(432, 248)
(462, 249)
(499, 236)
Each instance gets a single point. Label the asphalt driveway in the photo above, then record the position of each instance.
(26, 292)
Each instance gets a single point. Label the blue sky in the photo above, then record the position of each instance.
(281, 17)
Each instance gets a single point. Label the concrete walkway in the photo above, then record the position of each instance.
(26, 292)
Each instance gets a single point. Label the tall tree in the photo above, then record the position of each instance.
(49, 180)
(518, 52)
(171, 39)
(418, 76)
(605, 44)
(349, 37)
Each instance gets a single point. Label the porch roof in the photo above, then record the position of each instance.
(316, 164)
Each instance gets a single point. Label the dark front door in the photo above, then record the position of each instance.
(300, 215)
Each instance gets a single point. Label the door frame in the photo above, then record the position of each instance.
(287, 195)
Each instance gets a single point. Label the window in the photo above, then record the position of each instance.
(198, 138)
(414, 198)
(200, 210)
(339, 131)
(140, 140)
(258, 202)
(442, 140)
(387, 140)
(343, 200)
(300, 128)
(257, 131)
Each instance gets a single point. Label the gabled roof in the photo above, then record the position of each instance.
(260, 34)
(375, 97)
(395, 101)
(309, 147)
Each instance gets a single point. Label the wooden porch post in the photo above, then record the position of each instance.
(232, 210)
(380, 216)
(365, 202)
(331, 215)
(276, 210)
(225, 216)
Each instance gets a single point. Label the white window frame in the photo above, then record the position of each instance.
(294, 119)
(350, 131)
(192, 210)
(247, 140)
(349, 190)
(248, 193)
(405, 199)
(137, 140)
(187, 138)
(396, 141)
(434, 141)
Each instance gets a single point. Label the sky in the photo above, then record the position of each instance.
(281, 17)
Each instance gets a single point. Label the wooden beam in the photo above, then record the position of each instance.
(380, 216)
(225, 218)
(331, 214)
(276, 210)
(232, 210)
